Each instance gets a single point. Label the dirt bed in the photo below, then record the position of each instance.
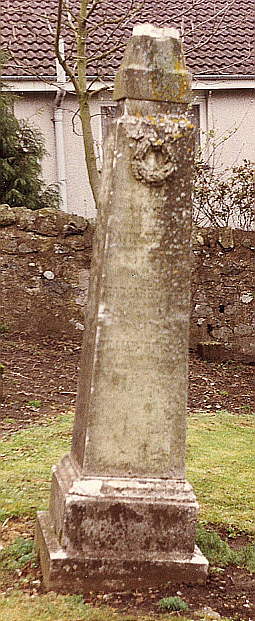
(40, 379)
(229, 594)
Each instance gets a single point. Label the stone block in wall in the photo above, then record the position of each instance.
(7, 216)
(32, 243)
(203, 310)
(247, 297)
(41, 256)
(223, 280)
(223, 334)
(218, 352)
(246, 344)
(226, 238)
(244, 330)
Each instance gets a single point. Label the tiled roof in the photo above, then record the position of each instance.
(218, 35)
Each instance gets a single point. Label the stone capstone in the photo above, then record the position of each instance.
(166, 79)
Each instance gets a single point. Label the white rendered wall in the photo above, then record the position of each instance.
(230, 111)
(38, 109)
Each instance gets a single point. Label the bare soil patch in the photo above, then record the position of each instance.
(46, 371)
(228, 592)
(221, 386)
(39, 380)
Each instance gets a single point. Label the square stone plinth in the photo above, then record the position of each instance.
(106, 533)
(67, 573)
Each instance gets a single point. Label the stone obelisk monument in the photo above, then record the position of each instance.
(121, 512)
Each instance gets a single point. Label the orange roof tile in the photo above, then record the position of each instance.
(218, 35)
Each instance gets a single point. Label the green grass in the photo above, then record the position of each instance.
(52, 607)
(34, 403)
(17, 555)
(3, 327)
(221, 468)
(218, 552)
(220, 465)
(26, 460)
(172, 603)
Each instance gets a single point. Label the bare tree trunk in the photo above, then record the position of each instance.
(80, 85)
(88, 142)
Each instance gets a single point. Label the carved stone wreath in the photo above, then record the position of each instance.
(153, 160)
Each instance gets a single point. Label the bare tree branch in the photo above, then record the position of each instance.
(72, 18)
(59, 56)
(92, 8)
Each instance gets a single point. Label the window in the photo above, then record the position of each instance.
(108, 113)
(194, 115)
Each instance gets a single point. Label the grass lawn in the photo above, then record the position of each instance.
(221, 468)
(27, 457)
(51, 607)
(220, 465)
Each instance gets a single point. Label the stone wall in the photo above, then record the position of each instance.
(45, 259)
(44, 266)
(223, 292)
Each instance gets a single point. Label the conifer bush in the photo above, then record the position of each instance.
(21, 152)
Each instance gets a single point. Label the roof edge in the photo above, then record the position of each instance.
(200, 82)
(224, 76)
(204, 76)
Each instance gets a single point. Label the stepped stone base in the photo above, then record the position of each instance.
(64, 573)
(106, 533)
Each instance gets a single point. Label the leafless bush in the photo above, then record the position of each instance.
(226, 199)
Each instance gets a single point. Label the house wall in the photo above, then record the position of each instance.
(38, 109)
(229, 111)
(233, 112)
